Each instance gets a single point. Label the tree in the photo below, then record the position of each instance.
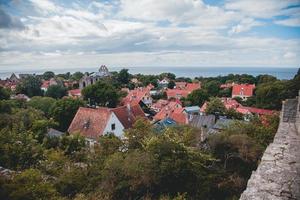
(215, 106)
(4, 93)
(265, 79)
(42, 103)
(123, 76)
(64, 110)
(170, 76)
(171, 84)
(102, 94)
(270, 95)
(212, 88)
(198, 97)
(56, 91)
(31, 86)
(48, 75)
(31, 184)
(232, 114)
(77, 76)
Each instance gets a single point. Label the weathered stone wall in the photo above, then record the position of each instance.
(278, 174)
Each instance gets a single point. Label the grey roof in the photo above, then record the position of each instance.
(199, 121)
(165, 123)
(54, 133)
(192, 109)
(222, 123)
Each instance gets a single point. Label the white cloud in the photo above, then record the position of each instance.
(260, 8)
(45, 6)
(245, 25)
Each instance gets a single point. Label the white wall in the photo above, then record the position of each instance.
(119, 127)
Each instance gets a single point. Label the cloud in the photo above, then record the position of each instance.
(245, 25)
(260, 8)
(9, 22)
(147, 33)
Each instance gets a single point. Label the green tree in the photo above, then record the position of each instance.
(102, 94)
(198, 97)
(42, 103)
(48, 75)
(123, 76)
(4, 93)
(56, 91)
(270, 95)
(31, 185)
(212, 88)
(64, 110)
(215, 106)
(171, 84)
(77, 76)
(265, 79)
(31, 86)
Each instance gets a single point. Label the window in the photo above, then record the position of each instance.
(113, 127)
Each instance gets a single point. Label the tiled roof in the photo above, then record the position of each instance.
(90, 122)
(165, 111)
(193, 86)
(45, 84)
(260, 111)
(178, 116)
(177, 93)
(243, 89)
(135, 96)
(200, 121)
(75, 92)
(128, 114)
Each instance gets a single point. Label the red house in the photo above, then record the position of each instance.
(243, 90)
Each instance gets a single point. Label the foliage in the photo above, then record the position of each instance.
(64, 110)
(4, 93)
(215, 106)
(212, 88)
(102, 94)
(19, 151)
(77, 76)
(42, 103)
(48, 75)
(31, 86)
(56, 91)
(198, 97)
(123, 76)
(171, 84)
(30, 185)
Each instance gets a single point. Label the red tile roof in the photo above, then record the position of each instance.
(90, 122)
(177, 93)
(179, 116)
(128, 114)
(260, 111)
(45, 84)
(193, 86)
(243, 90)
(75, 93)
(135, 96)
(167, 110)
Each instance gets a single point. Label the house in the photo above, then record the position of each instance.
(48, 83)
(163, 83)
(227, 85)
(138, 95)
(159, 105)
(20, 97)
(13, 78)
(177, 93)
(243, 90)
(128, 114)
(182, 89)
(166, 110)
(204, 123)
(192, 111)
(93, 123)
(75, 93)
(94, 77)
(54, 133)
(163, 124)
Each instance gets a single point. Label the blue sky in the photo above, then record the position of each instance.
(37, 34)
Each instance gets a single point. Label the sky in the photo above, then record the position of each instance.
(36, 34)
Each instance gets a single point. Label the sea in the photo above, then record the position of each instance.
(192, 72)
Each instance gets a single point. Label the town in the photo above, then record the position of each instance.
(74, 131)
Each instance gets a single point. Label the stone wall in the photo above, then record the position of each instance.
(278, 174)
